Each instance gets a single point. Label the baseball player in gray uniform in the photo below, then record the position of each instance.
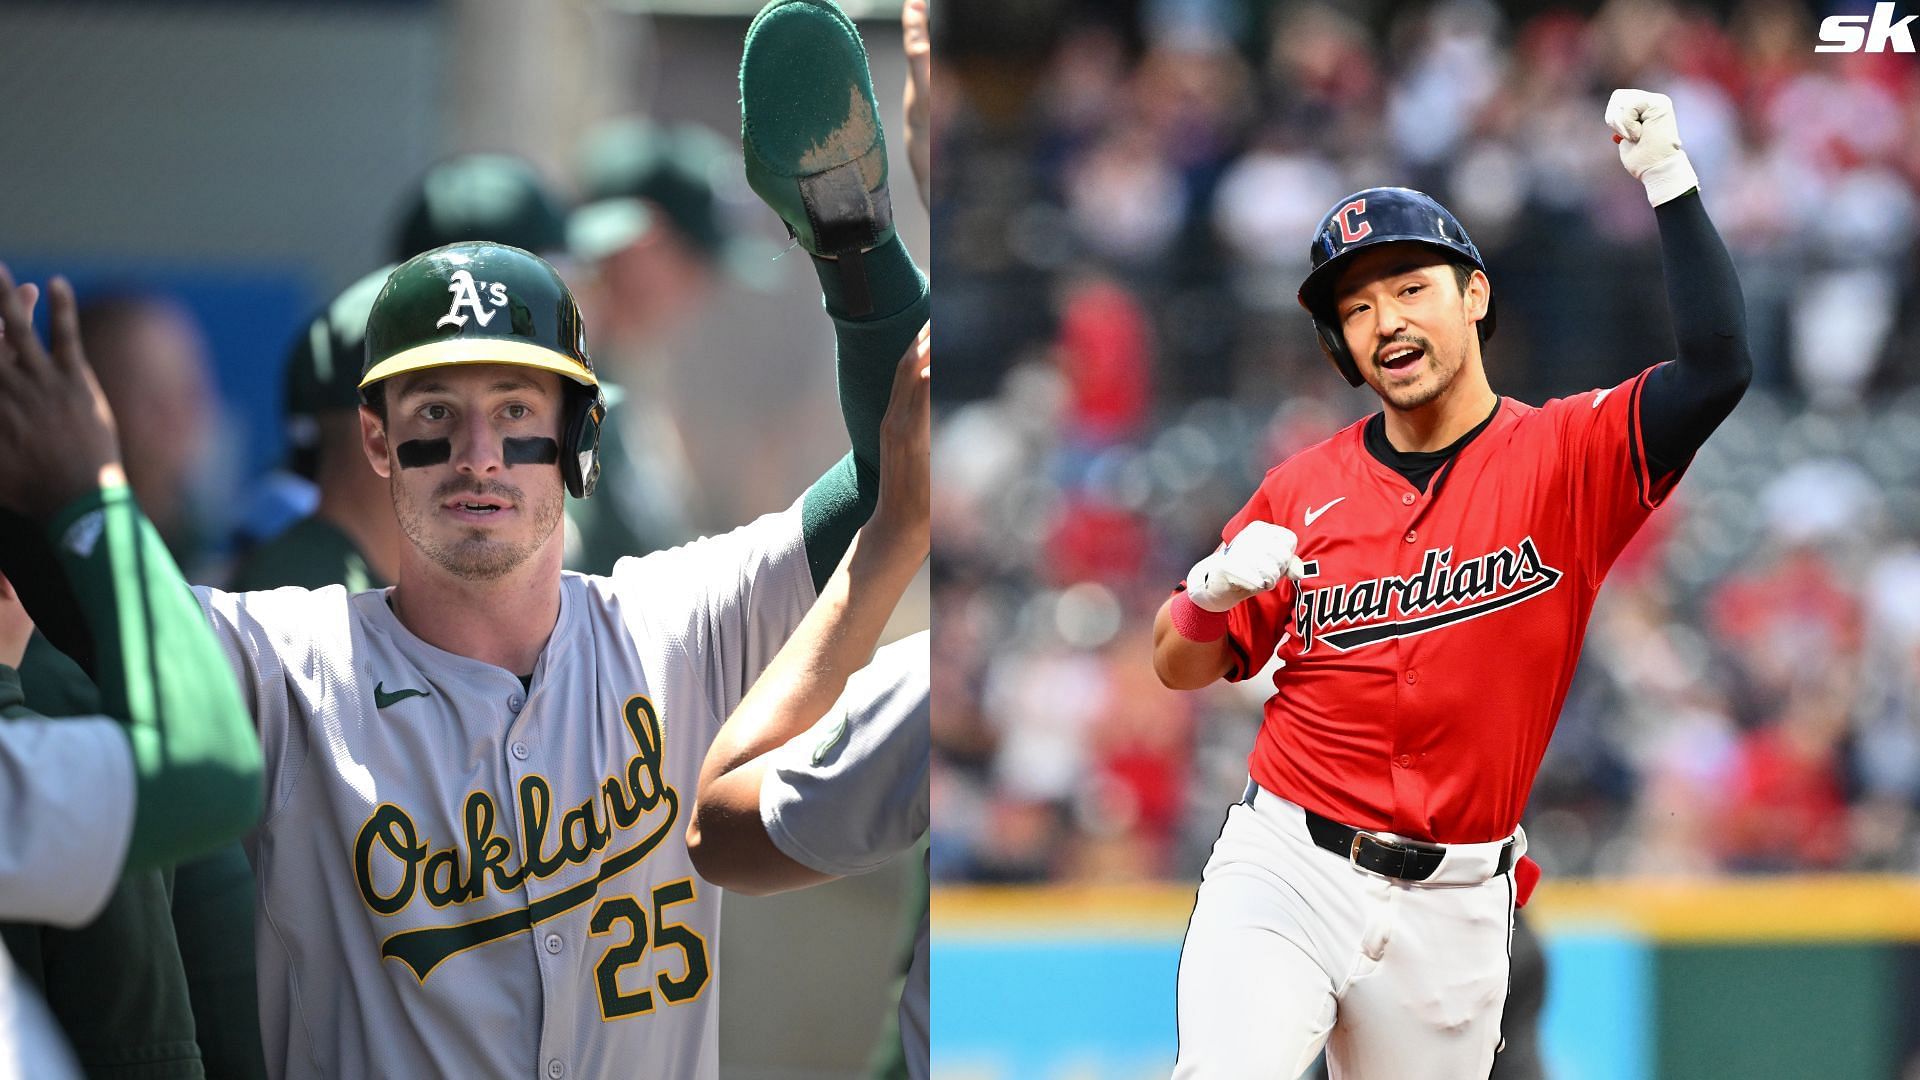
(839, 797)
(171, 769)
(469, 859)
(822, 770)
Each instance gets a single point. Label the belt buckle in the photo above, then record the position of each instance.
(1392, 842)
(1384, 840)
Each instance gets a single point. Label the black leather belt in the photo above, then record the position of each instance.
(1405, 860)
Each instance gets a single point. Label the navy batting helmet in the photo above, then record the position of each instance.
(1381, 215)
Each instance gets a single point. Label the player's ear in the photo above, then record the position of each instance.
(373, 440)
(1477, 294)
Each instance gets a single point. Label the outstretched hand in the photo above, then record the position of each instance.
(57, 440)
(904, 507)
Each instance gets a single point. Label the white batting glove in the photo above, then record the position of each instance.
(1251, 563)
(1649, 137)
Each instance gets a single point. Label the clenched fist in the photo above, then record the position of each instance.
(1251, 563)
(1649, 137)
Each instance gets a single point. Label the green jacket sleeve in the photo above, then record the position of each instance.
(196, 758)
(868, 351)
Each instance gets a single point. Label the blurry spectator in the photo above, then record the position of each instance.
(1106, 355)
(653, 235)
(1786, 809)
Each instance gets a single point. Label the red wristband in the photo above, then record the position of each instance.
(1195, 623)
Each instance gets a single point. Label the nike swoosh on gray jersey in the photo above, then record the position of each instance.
(382, 697)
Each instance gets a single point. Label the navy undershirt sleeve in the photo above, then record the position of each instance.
(1683, 401)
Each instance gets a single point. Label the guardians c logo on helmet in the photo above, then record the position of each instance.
(1381, 215)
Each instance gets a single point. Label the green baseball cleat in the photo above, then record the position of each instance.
(810, 132)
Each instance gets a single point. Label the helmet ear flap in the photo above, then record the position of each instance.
(580, 441)
(1335, 346)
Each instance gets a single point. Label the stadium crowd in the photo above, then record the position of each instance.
(1122, 225)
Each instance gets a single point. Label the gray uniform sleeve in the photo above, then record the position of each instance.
(851, 792)
(66, 795)
(721, 605)
(282, 644)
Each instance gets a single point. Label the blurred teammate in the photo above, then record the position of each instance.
(474, 777)
(152, 362)
(656, 240)
(171, 767)
(1425, 578)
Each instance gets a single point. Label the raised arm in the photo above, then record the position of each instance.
(1685, 400)
(815, 152)
(197, 762)
(726, 837)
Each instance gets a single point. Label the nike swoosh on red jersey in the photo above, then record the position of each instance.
(1314, 515)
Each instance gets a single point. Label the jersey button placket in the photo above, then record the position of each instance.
(1409, 788)
(555, 1070)
(1405, 761)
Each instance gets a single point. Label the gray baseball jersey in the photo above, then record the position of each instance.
(462, 877)
(68, 824)
(851, 793)
(67, 786)
(31, 1046)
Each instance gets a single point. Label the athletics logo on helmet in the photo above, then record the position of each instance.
(466, 294)
(508, 307)
(1381, 215)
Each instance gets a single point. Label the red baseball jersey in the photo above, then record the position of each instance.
(1429, 646)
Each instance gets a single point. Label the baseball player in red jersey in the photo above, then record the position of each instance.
(1424, 579)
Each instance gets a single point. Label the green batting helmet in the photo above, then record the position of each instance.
(484, 303)
(324, 363)
(497, 197)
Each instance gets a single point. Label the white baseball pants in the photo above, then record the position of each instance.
(1292, 948)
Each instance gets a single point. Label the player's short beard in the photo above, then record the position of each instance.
(1424, 392)
(477, 555)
